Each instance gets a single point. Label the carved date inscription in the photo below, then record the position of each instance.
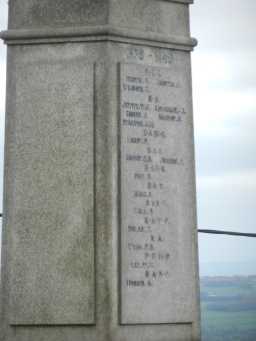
(153, 118)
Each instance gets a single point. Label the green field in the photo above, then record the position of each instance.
(228, 308)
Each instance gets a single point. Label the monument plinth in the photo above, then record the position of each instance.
(99, 232)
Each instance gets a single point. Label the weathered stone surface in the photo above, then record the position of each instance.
(52, 242)
(163, 17)
(63, 192)
(59, 13)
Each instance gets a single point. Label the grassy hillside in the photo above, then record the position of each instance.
(228, 307)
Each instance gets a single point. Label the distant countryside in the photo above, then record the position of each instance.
(228, 307)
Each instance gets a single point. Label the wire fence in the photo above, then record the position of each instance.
(210, 231)
(228, 233)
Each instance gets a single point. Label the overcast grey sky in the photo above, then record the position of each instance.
(224, 83)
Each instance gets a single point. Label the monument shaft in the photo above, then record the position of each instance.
(99, 231)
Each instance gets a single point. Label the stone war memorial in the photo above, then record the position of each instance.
(99, 232)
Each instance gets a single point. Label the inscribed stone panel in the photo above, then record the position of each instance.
(155, 181)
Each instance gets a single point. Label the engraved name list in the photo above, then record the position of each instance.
(151, 161)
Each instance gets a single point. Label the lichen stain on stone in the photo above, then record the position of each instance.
(79, 257)
(150, 13)
(63, 13)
